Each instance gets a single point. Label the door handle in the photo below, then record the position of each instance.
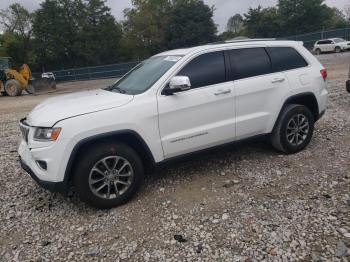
(222, 92)
(278, 80)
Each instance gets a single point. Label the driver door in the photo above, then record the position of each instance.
(203, 116)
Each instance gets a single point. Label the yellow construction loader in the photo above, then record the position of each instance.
(13, 82)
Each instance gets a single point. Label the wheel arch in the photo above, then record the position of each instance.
(307, 99)
(129, 137)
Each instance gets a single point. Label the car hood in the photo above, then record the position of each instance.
(62, 107)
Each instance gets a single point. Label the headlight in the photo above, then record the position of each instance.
(46, 133)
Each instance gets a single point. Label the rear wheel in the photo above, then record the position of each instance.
(13, 87)
(293, 130)
(337, 49)
(108, 175)
(318, 51)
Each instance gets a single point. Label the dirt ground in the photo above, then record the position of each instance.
(240, 203)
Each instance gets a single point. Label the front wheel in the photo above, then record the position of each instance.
(294, 129)
(13, 87)
(337, 49)
(108, 175)
(318, 51)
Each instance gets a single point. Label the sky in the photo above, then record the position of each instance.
(223, 8)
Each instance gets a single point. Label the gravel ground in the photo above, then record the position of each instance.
(239, 203)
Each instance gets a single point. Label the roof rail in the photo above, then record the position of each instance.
(249, 40)
(242, 39)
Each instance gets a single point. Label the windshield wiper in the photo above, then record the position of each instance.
(114, 88)
(119, 90)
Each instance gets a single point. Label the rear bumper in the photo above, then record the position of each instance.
(51, 186)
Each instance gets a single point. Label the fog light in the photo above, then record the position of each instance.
(42, 164)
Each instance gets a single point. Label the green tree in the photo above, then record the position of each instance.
(292, 17)
(144, 27)
(15, 21)
(347, 12)
(300, 16)
(337, 18)
(263, 22)
(235, 23)
(71, 33)
(56, 32)
(101, 34)
(190, 23)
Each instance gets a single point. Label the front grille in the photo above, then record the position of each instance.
(24, 130)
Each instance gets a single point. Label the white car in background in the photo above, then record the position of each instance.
(48, 75)
(331, 45)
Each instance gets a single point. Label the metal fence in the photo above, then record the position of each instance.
(96, 72)
(118, 70)
(309, 39)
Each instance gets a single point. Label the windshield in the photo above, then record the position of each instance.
(338, 40)
(144, 75)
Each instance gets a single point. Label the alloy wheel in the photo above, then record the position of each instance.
(298, 129)
(111, 177)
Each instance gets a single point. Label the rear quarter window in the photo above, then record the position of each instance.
(285, 58)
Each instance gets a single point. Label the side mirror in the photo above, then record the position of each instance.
(178, 84)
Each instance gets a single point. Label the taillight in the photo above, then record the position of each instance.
(324, 74)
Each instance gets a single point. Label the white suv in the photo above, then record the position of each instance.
(48, 75)
(331, 45)
(173, 104)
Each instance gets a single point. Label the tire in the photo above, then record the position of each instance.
(337, 49)
(92, 160)
(285, 128)
(13, 87)
(318, 51)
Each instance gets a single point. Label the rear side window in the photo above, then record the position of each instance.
(249, 62)
(324, 42)
(205, 70)
(285, 58)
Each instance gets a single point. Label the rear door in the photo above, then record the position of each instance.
(258, 91)
(329, 46)
(203, 116)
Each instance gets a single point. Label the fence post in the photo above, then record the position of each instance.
(345, 29)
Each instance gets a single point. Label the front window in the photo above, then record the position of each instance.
(338, 40)
(206, 70)
(144, 75)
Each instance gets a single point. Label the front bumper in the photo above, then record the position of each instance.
(51, 186)
(52, 177)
